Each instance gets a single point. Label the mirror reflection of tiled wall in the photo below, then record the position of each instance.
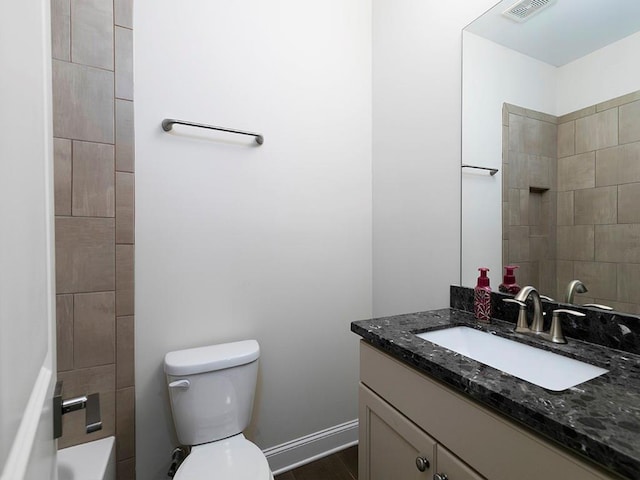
(593, 232)
(529, 196)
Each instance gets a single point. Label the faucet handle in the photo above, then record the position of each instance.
(513, 300)
(555, 333)
(569, 312)
(522, 326)
(547, 298)
(598, 305)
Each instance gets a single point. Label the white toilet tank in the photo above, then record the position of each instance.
(211, 390)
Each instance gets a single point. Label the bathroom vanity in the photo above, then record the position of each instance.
(427, 412)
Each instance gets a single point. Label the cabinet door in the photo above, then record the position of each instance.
(390, 444)
(450, 467)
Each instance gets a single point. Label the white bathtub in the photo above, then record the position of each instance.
(90, 461)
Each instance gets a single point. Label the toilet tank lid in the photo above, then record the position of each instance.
(211, 358)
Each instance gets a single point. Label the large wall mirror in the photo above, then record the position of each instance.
(551, 100)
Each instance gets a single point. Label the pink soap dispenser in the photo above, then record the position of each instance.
(509, 284)
(482, 297)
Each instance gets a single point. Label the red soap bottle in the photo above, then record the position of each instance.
(482, 297)
(509, 284)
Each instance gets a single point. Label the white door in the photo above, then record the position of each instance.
(27, 281)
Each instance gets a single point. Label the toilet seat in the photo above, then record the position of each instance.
(234, 458)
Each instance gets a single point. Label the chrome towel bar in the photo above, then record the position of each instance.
(168, 123)
(492, 171)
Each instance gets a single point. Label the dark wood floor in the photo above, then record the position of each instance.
(339, 466)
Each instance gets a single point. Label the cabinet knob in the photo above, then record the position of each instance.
(440, 476)
(422, 463)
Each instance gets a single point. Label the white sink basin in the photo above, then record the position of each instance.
(543, 368)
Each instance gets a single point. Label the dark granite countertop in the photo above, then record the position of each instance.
(598, 419)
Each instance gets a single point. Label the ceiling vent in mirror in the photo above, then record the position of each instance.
(525, 9)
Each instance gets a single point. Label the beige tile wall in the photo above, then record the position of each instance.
(595, 184)
(94, 205)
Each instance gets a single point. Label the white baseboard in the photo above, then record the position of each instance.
(309, 448)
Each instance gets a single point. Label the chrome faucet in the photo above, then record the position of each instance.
(554, 334)
(537, 324)
(575, 286)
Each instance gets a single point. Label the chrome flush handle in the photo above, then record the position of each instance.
(182, 384)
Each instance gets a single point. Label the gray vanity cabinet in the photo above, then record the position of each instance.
(392, 447)
(452, 468)
(405, 415)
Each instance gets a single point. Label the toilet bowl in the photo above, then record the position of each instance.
(232, 458)
(211, 391)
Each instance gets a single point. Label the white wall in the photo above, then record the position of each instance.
(27, 273)
(416, 156)
(602, 75)
(493, 75)
(235, 241)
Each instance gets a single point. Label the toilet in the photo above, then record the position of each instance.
(211, 391)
